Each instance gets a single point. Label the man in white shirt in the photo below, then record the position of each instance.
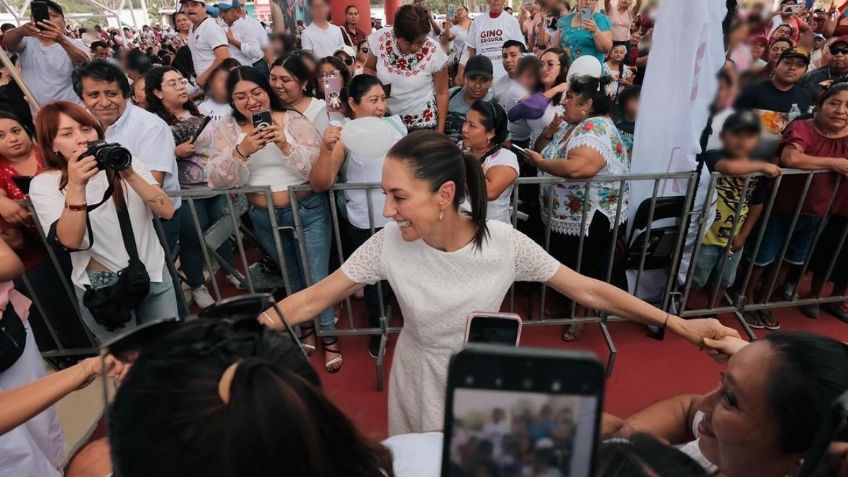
(321, 37)
(508, 92)
(105, 91)
(488, 33)
(47, 56)
(206, 40)
(245, 42)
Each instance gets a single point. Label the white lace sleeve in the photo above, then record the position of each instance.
(365, 265)
(532, 262)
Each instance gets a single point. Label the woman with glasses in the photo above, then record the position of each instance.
(485, 128)
(335, 109)
(415, 68)
(278, 156)
(167, 97)
(540, 109)
(581, 144)
(293, 81)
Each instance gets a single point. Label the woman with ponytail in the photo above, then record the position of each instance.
(230, 398)
(444, 263)
(485, 128)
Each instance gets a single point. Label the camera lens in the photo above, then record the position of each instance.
(117, 157)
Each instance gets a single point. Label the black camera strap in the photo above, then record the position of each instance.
(123, 218)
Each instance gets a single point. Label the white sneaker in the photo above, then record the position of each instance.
(202, 297)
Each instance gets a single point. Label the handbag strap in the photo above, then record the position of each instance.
(51, 236)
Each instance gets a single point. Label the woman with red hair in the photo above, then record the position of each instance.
(73, 180)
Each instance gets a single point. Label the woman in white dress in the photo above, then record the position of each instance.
(442, 264)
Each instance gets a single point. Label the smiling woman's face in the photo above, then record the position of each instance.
(738, 432)
(411, 202)
(249, 98)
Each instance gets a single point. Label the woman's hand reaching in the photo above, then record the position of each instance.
(698, 331)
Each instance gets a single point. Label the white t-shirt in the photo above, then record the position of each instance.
(251, 42)
(150, 140)
(321, 42)
(538, 125)
(316, 106)
(459, 45)
(362, 169)
(487, 36)
(108, 248)
(416, 455)
(47, 69)
(499, 208)
(202, 41)
(508, 92)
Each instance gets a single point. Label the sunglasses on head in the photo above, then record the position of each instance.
(835, 50)
(347, 60)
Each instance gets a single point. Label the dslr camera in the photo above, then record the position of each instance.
(111, 156)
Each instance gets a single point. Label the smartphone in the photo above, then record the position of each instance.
(494, 328)
(262, 119)
(792, 8)
(518, 150)
(451, 10)
(834, 426)
(497, 395)
(40, 13)
(203, 125)
(585, 14)
(22, 182)
(332, 91)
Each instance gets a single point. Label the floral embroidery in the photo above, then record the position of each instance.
(569, 199)
(425, 119)
(402, 64)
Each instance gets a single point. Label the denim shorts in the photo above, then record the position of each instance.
(708, 266)
(800, 239)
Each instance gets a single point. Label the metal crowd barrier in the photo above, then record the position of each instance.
(662, 231)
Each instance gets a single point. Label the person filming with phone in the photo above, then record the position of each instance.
(98, 202)
(444, 263)
(268, 143)
(47, 55)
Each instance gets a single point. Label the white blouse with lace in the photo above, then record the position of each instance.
(436, 291)
(268, 166)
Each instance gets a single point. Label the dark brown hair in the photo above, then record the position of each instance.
(411, 22)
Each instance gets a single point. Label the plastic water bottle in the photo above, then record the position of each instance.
(794, 112)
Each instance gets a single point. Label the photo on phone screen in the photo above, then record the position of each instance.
(332, 90)
(262, 119)
(40, 12)
(493, 328)
(502, 400)
(451, 10)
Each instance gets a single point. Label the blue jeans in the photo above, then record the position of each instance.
(708, 264)
(800, 239)
(160, 302)
(317, 231)
(191, 248)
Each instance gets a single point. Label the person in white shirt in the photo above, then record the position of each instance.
(508, 92)
(245, 42)
(321, 37)
(105, 91)
(484, 130)
(206, 40)
(47, 56)
(60, 195)
(489, 31)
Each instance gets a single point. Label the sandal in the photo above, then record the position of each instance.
(330, 365)
(309, 332)
(753, 319)
(573, 333)
(768, 320)
(838, 310)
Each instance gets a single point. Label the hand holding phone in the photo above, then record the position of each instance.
(494, 328)
(40, 13)
(490, 386)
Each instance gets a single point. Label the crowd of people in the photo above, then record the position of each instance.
(110, 128)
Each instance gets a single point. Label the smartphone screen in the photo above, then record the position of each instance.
(520, 411)
(451, 10)
(262, 119)
(40, 12)
(494, 330)
(332, 90)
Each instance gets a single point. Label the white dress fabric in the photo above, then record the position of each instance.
(416, 455)
(436, 291)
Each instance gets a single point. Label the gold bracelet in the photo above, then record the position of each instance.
(238, 151)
